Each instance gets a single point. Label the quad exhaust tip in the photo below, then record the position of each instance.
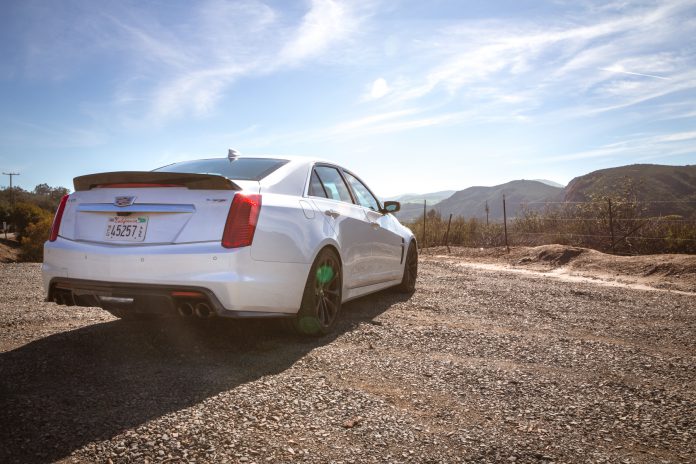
(203, 311)
(64, 298)
(185, 310)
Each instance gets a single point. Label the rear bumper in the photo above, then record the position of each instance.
(235, 284)
(162, 298)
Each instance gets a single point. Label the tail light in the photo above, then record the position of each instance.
(55, 227)
(241, 221)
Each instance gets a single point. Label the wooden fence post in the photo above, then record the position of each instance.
(424, 216)
(449, 222)
(611, 226)
(507, 247)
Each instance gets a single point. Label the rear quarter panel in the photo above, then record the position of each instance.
(289, 230)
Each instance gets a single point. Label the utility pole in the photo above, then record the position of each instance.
(487, 211)
(11, 190)
(11, 174)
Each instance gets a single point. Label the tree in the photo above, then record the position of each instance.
(35, 235)
(25, 214)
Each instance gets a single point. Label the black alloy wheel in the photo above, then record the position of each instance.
(408, 282)
(321, 301)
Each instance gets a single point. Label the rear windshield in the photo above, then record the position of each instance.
(236, 169)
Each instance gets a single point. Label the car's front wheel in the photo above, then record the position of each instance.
(321, 301)
(408, 281)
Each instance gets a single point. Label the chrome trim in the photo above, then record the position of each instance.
(138, 208)
(138, 244)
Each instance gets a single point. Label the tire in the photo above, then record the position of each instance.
(321, 300)
(408, 281)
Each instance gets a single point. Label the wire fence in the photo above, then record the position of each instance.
(619, 226)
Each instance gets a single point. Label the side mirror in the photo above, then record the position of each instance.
(391, 207)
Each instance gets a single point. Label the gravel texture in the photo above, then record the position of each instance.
(477, 365)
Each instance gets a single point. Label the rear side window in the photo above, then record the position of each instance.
(316, 189)
(235, 169)
(333, 185)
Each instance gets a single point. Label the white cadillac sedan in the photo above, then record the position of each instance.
(227, 237)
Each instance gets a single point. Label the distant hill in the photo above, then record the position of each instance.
(410, 211)
(431, 198)
(671, 188)
(412, 203)
(471, 202)
(550, 182)
(653, 182)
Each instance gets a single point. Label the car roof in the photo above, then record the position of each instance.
(289, 179)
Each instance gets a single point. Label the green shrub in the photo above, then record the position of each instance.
(25, 214)
(34, 237)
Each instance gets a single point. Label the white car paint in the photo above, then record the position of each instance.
(182, 247)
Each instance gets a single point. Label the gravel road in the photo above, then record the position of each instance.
(478, 365)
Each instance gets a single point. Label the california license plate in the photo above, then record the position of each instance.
(126, 228)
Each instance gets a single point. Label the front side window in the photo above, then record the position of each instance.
(362, 194)
(333, 185)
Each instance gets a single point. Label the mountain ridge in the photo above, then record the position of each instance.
(666, 190)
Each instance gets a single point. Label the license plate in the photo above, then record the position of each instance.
(126, 228)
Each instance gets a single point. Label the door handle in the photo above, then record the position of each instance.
(332, 212)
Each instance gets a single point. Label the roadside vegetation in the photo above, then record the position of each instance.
(29, 215)
(610, 221)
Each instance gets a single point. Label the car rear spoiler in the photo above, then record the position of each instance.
(140, 179)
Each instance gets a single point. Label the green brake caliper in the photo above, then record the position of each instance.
(324, 274)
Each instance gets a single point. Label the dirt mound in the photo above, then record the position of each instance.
(648, 266)
(673, 272)
(557, 255)
(9, 250)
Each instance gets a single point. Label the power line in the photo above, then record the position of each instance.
(639, 202)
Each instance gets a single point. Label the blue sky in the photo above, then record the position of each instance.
(414, 96)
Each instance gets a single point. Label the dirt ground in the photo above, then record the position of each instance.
(495, 358)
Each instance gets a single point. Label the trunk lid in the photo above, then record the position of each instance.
(148, 208)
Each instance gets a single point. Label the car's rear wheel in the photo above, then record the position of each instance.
(408, 281)
(321, 301)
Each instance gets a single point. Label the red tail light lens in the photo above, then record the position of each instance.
(55, 227)
(241, 221)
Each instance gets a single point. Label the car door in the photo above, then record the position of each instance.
(332, 197)
(387, 244)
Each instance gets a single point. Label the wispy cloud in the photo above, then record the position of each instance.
(396, 121)
(371, 68)
(378, 89)
(326, 22)
(606, 58)
(167, 69)
(262, 45)
(619, 69)
(649, 147)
